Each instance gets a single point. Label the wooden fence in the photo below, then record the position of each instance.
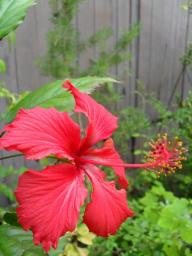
(165, 33)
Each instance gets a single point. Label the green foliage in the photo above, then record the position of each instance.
(9, 171)
(127, 130)
(136, 126)
(3, 66)
(64, 45)
(15, 241)
(110, 58)
(7, 190)
(12, 13)
(107, 96)
(177, 122)
(75, 244)
(187, 57)
(187, 5)
(11, 219)
(62, 50)
(5, 93)
(19, 242)
(162, 226)
(53, 95)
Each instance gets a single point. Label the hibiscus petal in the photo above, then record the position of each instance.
(108, 208)
(50, 201)
(101, 122)
(39, 132)
(107, 156)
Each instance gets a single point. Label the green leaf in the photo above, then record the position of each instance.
(6, 171)
(3, 67)
(5, 93)
(87, 240)
(171, 250)
(82, 230)
(173, 216)
(71, 250)
(11, 218)
(5, 190)
(84, 236)
(15, 241)
(185, 7)
(63, 241)
(188, 252)
(53, 95)
(186, 231)
(12, 13)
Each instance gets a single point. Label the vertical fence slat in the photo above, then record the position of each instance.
(103, 18)
(162, 43)
(42, 16)
(11, 83)
(123, 69)
(27, 53)
(187, 81)
(85, 27)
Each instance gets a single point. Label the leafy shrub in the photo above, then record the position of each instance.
(162, 226)
(64, 45)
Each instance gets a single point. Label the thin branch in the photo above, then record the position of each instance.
(176, 85)
(17, 155)
(10, 156)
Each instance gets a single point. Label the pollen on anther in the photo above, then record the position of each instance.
(165, 156)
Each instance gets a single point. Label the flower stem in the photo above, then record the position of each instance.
(144, 165)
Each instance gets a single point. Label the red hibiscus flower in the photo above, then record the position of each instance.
(50, 200)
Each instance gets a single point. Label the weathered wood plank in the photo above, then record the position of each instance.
(104, 18)
(162, 42)
(42, 16)
(11, 83)
(85, 26)
(187, 80)
(26, 53)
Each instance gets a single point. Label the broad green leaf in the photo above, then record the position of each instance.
(173, 216)
(186, 232)
(84, 236)
(87, 240)
(171, 250)
(71, 250)
(53, 95)
(16, 242)
(82, 230)
(12, 13)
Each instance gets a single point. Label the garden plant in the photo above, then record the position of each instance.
(86, 197)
